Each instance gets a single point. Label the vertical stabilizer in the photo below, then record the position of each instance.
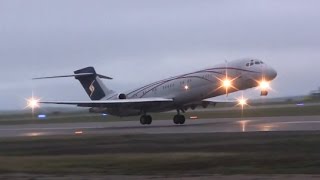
(92, 83)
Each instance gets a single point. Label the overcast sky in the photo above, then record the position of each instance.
(140, 41)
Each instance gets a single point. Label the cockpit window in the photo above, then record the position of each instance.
(253, 62)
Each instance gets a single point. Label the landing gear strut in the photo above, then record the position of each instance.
(179, 119)
(145, 119)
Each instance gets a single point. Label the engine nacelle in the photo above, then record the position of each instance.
(122, 96)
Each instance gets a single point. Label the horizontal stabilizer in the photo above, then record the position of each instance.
(74, 75)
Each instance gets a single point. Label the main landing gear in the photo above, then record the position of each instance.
(177, 119)
(145, 119)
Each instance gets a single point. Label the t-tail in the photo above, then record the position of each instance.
(90, 81)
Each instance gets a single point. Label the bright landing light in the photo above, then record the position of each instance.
(33, 103)
(264, 85)
(242, 102)
(227, 83)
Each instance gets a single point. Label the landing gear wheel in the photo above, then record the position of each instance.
(179, 119)
(176, 119)
(264, 93)
(145, 119)
(149, 119)
(182, 119)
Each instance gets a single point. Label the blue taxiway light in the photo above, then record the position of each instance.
(42, 116)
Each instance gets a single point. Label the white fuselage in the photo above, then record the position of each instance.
(194, 87)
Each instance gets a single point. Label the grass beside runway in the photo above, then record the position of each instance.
(174, 154)
(210, 113)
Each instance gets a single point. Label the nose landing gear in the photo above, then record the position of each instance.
(264, 93)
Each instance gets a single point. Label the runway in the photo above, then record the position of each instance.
(301, 123)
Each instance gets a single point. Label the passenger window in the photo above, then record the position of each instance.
(251, 64)
(257, 62)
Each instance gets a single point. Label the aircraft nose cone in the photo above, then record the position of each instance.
(271, 74)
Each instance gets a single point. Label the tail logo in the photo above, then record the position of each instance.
(92, 88)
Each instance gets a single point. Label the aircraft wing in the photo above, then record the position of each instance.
(129, 103)
(219, 101)
(214, 102)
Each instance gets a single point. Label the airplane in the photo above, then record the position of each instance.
(175, 93)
